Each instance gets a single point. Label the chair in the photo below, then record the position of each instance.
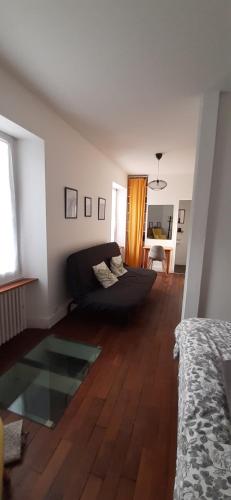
(157, 253)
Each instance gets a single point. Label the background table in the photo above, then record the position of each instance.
(168, 254)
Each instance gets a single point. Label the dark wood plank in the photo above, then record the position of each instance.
(92, 488)
(78, 481)
(144, 479)
(111, 400)
(115, 465)
(45, 480)
(105, 453)
(126, 489)
(24, 491)
(76, 466)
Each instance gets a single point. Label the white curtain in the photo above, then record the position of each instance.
(9, 262)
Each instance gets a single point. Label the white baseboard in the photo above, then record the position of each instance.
(40, 323)
(58, 315)
(48, 322)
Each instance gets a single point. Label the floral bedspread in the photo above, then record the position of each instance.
(203, 468)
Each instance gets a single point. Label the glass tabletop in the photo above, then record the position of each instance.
(41, 384)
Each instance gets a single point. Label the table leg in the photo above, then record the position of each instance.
(145, 257)
(167, 256)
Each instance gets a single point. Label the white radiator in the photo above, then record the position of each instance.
(12, 313)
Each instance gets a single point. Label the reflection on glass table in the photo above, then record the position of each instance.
(41, 384)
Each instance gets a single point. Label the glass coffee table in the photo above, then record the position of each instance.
(42, 383)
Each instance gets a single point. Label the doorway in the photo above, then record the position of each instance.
(182, 236)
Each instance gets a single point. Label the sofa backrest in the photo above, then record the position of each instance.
(80, 276)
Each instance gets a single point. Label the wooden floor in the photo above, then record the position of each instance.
(117, 439)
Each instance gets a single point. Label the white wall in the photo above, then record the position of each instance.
(179, 187)
(31, 205)
(182, 237)
(215, 301)
(200, 203)
(72, 161)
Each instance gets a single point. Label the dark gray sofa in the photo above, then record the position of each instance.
(87, 292)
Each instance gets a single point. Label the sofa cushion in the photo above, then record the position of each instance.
(117, 266)
(80, 276)
(104, 275)
(127, 293)
(86, 291)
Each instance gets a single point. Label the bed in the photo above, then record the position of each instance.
(203, 468)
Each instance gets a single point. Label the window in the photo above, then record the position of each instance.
(118, 214)
(8, 227)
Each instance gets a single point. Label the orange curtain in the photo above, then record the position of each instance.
(137, 188)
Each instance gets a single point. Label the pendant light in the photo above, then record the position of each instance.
(157, 184)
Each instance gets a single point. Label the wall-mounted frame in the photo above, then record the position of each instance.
(87, 206)
(101, 208)
(71, 203)
(181, 215)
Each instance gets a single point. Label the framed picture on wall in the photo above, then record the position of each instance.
(181, 215)
(101, 208)
(71, 203)
(87, 206)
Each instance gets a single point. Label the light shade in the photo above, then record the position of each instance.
(157, 184)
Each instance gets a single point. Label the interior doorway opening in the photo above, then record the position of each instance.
(183, 225)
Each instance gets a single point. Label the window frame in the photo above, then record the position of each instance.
(9, 277)
(120, 207)
(114, 214)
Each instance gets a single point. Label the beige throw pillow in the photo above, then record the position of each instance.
(104, 275)
(117, 267)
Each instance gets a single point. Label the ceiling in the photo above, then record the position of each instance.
(128, 74)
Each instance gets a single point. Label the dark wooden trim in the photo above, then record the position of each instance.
(16, 284)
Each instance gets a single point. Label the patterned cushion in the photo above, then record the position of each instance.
(104, 275)
(117, 267)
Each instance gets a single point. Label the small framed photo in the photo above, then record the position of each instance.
(101, 208)
(181, 216)
(71, 203)
(87, 206)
